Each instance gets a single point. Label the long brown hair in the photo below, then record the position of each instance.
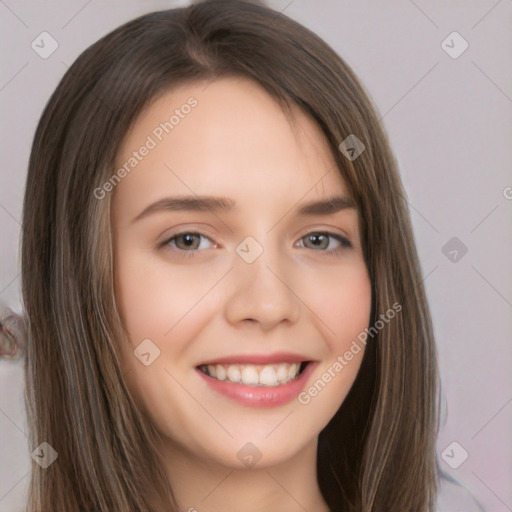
(378, 452)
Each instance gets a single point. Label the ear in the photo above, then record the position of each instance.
(13, 333)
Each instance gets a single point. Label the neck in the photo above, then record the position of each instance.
(289, 486)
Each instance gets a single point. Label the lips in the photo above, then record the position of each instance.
(261, 380)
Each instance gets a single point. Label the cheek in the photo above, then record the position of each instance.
(165, 308)
(342, 301)
(153, 301)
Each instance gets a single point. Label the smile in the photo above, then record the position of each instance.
(257, 385)
(269, 375)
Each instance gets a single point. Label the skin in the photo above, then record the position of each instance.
(294, 297)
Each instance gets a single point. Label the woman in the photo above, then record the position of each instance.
(270, 349)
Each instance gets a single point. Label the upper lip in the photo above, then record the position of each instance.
(277, 357)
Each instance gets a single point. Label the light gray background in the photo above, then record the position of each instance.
(450, 125)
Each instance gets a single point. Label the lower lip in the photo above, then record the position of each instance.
(260, 396)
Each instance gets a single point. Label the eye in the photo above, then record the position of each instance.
(191, 242)
(188, 241)
(325, 241)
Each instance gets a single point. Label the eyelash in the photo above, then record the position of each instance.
(344, 242)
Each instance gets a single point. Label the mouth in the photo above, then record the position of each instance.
(268, 375)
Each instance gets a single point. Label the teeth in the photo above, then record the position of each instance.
(250, 376)
(221, 372)
(282, 372)
(270, 375)
(292, 371)
(233, 374)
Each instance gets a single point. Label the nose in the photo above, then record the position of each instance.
(262, 292)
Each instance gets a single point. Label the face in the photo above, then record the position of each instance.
(241, 288)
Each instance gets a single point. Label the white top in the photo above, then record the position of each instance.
(454, 497)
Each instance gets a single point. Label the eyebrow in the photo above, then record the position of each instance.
(224, 204)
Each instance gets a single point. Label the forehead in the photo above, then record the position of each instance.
(228, 137)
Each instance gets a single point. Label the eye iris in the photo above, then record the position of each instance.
(319, 240)
(190, 241)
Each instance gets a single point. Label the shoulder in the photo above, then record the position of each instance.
(454, 497)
